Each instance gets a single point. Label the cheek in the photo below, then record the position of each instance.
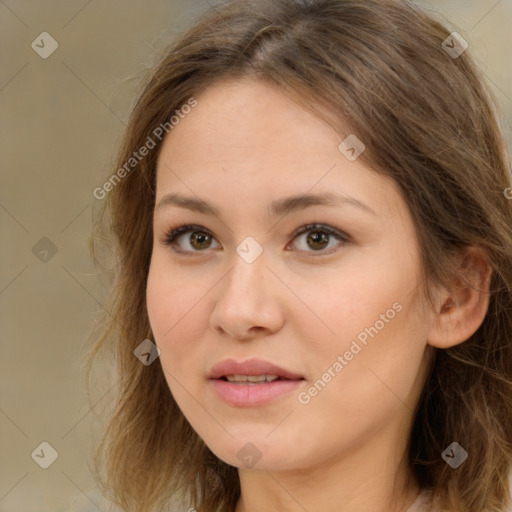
(377, 375)
(354, 301)
(175, 313)
(371, 316)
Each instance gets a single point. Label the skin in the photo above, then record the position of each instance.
(298, 305)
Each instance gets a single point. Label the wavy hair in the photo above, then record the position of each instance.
(431, 124)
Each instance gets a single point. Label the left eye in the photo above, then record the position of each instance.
(318, 237)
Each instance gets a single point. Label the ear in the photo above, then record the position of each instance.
(461, 308)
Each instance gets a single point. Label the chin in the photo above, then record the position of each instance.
(255, 452)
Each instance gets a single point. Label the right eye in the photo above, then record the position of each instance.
(200, 240)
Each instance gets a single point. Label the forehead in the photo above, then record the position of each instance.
(237, 115)
(248, 139)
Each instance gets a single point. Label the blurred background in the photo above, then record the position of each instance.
(69, 76)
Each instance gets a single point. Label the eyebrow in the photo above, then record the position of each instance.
(279, 207)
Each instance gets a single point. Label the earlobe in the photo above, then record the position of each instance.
(461, 309)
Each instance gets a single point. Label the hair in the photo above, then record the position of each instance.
(430, 124)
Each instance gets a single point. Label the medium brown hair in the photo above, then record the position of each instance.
(429, 123)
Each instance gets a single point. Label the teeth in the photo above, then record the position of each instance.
(251, 378)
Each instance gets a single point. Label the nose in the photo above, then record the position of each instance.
(248, 301)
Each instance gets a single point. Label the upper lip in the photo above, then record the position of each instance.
(250, 367)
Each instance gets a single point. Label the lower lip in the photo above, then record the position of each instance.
(252, 395)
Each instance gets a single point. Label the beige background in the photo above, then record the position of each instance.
(61, 119)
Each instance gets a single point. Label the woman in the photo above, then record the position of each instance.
(312, 300)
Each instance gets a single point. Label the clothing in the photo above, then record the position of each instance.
(421, 503)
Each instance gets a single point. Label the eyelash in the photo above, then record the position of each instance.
(172, 235)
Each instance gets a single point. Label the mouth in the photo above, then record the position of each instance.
(253, 379)
(253, 382)
(251, 370)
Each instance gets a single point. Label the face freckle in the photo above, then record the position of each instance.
(350, 322)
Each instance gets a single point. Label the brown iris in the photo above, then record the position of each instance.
(317, 237)
(315, 240)
(201, 238)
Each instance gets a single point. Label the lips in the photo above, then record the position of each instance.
(251, 367)
(243, 393)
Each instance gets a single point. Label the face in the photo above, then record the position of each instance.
(337, 304)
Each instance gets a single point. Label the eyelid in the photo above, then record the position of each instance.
(173, 234)
(342, 237)
(319, 227)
